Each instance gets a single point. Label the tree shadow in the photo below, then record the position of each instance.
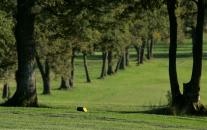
(165, 55)
(161, 110)
(164, 110)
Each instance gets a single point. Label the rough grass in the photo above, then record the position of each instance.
(115, 103)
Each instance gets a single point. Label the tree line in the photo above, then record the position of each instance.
(49, 34)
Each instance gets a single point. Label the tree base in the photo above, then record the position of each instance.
(21, 101)
(184, 107)
(88, 81)
(102, 77)
(65, 84)
(61, 88)
(46, 93)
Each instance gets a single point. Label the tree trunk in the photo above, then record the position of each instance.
(175, 90)
(64, 83)
(118, 64)
(192, 89)
(88, 80)
(45, 74)
(122, 62)
(138, 50)
(148, 49)
(151, 47)
(110, 63)
(71, 80)
(127, 56)
(46, 78)
(25, 94)
(6, 91)
(103, 70)
(142, 52)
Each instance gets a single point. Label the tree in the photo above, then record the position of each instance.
(110, 70)
(192, 89)
(45, 73)
(189, 102)
(25, 94)
(104, 61)
(47, 31)
(54, 50)
(88, 79)
(176, 94)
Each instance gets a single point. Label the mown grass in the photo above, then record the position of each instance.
(23, 118)
(116, 103)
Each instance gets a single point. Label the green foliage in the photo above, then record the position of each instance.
(7, 45)
(8, 6)
(52, 44)
(187, 12)
(87, 26)
(90, 26)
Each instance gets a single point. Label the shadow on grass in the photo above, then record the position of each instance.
(161, 110)
(166, 110)
(183, 54)
(165, 55)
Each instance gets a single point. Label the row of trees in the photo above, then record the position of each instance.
(51, 33)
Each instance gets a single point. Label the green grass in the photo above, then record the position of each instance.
(115, 103)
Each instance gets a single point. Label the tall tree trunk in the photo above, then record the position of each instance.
(6, 91)
(25, 94)
(104, 60)
(151, 47)
(46, 79)
(192, 89)
(71, 80)
(148, 49)
(110, 63)
(64, 83)
(172, 52)
(118, 64)
(142, 52)
(138, 50)
(127, 56)
(123, 61)
(88, 80)
(45, 74)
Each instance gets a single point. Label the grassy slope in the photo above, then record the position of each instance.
(114, 103)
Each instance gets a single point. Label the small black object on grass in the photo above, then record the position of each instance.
(82, 109)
